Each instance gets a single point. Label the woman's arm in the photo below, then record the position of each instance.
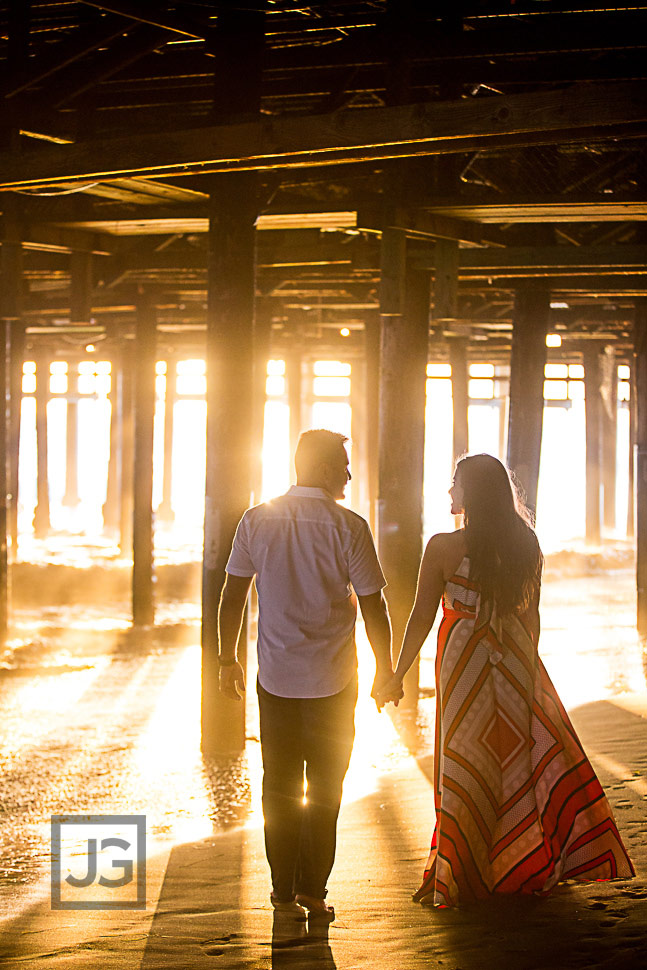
(431, 583)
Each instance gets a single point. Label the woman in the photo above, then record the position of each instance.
(518, 805)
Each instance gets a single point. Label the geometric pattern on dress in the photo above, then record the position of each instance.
(518, 805)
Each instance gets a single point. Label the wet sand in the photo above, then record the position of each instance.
(99, 720)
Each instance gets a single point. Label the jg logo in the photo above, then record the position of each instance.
(98, 861)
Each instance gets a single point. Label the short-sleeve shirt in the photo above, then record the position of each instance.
(306, 552)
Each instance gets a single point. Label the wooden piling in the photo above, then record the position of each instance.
(230, 392)
(15, 413)
(460, 397)
(527, 363)
(609, 433)
(404, 308)
(142, 576)
(10, 307)
(293, 376)
(372, 359)
(593, 405)
(233, 209)
(640, 384)
(111, 506)
(165, 511)
(42, 522)
(127, 449)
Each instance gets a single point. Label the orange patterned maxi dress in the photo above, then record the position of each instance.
(518, 805)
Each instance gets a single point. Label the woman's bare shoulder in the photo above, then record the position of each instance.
(448, 549)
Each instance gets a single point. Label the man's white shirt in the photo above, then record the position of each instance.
(306, 552)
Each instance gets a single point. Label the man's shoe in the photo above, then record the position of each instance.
(317, 908)
(290, 908)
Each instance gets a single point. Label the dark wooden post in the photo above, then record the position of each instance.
(294, 378)
(230, 390)
(80, 313)
(262, 352)
(15, 410)
(233, 210)
(165, 510)
(631, 476)
(640, 383)
(460, 397)
(111, 506)
(609, 431)
(126, 424)
(145, 347)
(358, 433)
(404, 307)
(71, 496)
(10, 305)
(41, 513)
(593, 403)
(445, 292)
(527, 363)
(372, 357)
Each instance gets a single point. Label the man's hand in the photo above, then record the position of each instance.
(232, 681)
(390, 690)
(383, 676)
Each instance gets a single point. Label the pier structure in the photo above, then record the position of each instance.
(394, 187)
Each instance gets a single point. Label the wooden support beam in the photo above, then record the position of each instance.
(262, 353)
(460, 398)
(294, 378)
(127, 447)
(527, 362)
(231, 370)
(593, 401)
(372, 358)
(230, 390)
(81, 285)
(150, 12)
(15, 412)
(42, 522)
(394, 132)
(10, 307)
(404, 308)
(445, 288)
(609, 433)
(143, 567)
(417, 223)
(63, 53)
(165, 511)
(640, 369)
(489, 261)
(631, 471)
(79, 78)
(112, 504)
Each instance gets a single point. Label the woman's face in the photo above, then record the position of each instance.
(456, 495)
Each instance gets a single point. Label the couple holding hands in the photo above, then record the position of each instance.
(518, 807)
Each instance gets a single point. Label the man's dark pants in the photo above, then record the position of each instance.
(316, 733)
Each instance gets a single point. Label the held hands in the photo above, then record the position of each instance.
(386, 687)
(232, 681)
(391, 691)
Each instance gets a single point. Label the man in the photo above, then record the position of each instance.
(305, 552)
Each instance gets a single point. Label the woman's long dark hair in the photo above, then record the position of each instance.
(505, 558)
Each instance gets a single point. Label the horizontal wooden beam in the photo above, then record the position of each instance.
(549, 210)
(417, 223)
(340, 137)
(149, 12)
(556, 257)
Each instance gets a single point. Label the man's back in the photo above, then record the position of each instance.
(305, 551)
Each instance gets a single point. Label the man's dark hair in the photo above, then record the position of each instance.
(315, 447)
